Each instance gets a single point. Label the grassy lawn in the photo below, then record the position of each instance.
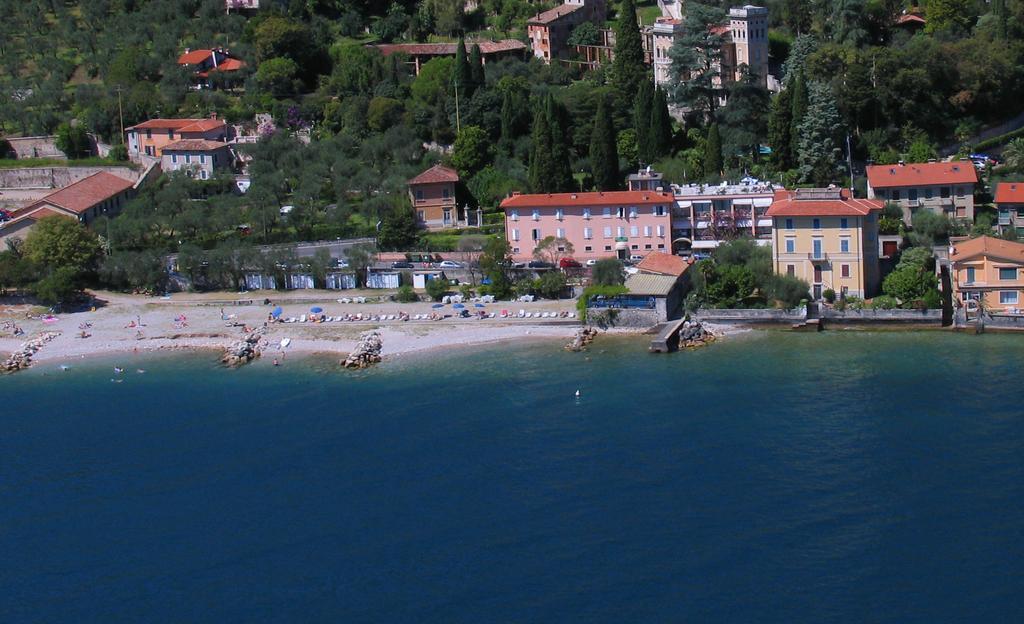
(647, 11)
(12, 163)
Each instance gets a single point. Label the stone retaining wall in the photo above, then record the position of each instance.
(797, 315)
(609, 317)
(929, 317)
(56, 177)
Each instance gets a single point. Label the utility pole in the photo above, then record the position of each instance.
(120, 113)
(849, 162)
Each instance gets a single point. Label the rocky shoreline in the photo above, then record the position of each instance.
(584, 336)
(22, 358)
(693, 335)
(245, 350)
(367, 351)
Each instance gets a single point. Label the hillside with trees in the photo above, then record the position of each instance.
(846, 66)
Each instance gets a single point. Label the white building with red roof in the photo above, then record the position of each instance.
(197, 158)
(619, 224)
(149, 137)
(1009, 202)
(942, 187)
(203, 63)
(828, 239)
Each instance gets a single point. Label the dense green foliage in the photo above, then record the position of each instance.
(913, 282)
(608, 272)
(739, 275)
(514, 124)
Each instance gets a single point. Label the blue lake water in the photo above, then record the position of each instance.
(834, 477)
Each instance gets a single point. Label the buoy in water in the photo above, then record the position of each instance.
(577, 393)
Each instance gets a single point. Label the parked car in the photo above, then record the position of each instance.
(568, 263)
(401, 265)
(450, 264)
(341, 264)
(591, 262)
(518, 265)
(635, 258)
(540, 264)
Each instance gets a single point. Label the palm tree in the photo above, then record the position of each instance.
(1014, 154)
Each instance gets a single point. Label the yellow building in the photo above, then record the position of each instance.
(828, 239)
(991, 269)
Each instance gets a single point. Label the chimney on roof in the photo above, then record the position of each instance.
(187, 50)
(901, 163)
(573, 196)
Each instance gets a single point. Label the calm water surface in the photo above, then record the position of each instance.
(837, 477)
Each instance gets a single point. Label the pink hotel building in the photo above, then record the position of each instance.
(620, 223)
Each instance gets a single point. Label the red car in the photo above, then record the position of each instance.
(569, 263)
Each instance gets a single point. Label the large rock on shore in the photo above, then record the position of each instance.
(22, 358)
(693, 334)
(584, 336)
(367, 351)
(245, 350)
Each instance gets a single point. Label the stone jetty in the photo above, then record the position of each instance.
(22, 358)
(245, 350)
(584, 336)
(367, 351)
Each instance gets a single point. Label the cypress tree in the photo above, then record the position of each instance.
(462, 75)
(541, 163)
(628, 68)
(642, 107)
(604, 152)
(507, 122)
(798, 114)
(661, 125)
(713, 153)
(561, 172)
(476, 66)
(780, 124)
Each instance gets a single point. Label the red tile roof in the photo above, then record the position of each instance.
(609, 198)
(194, 57)
(33, 214)
(918, 174)
(1010, 193)
(86, 193)
(820, 203)
(181, 125)
(553, 15)
(988, 246)
(448, 49)
(910, 18)
(663, 264)
(230, 65)
(437, 173)
(194, 145)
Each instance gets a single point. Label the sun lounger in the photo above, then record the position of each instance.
(522, 313)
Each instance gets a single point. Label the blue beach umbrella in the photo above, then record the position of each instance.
(437, 305)
(277, 312)
(458, 306)
(316, 310)
(479, 305)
